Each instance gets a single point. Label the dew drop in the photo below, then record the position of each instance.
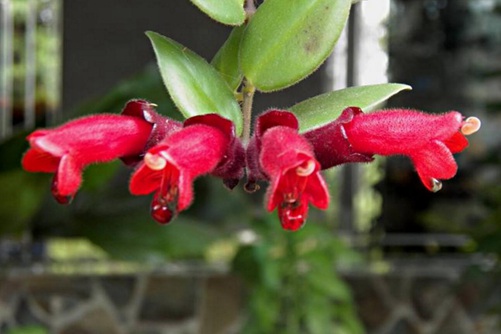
(436, 185)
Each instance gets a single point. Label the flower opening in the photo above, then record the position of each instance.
(170, 167)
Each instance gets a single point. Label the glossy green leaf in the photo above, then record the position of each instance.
(287, 40)
(226, 59)
(229, 12)
(322, 109)
(195, 86)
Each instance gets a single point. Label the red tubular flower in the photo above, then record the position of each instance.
(287, 160)
(69, 148)
(264, 122)
(170, 167)
(231, 167)
(429, 140)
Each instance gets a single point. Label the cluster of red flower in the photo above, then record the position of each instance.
(168, 155)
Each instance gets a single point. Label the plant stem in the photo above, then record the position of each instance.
(248, 91)
(250, 8)
(292, 311)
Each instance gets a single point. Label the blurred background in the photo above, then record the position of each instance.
(388, 256)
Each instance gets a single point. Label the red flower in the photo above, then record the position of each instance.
(287, 160)
(162, 126)
(69, 148)
(429, 140)
(264, 122)
(170, 167)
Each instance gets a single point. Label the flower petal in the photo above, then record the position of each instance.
(39, 161)
(317, 192)
(68, 177)
(185, 197)
(145, 180)
(434, 162)
(456, 143)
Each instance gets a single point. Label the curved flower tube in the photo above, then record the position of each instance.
(170, 167)
(69, 148)
(428, 140)
(287, 160)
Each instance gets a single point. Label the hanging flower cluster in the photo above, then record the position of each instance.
(169, 155)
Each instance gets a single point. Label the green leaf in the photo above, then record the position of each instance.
(287, 40)
(322, 109)
(230, 12)
(226, 59)
(195, 86)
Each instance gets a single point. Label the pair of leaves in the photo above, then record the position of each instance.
(271, 54)
(195, 86)
(284, 42)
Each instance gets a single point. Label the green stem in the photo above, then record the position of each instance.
(248, 96)
(292, 311)
(250, 8)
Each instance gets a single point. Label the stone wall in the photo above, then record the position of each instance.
(143, 303)
(428, 297)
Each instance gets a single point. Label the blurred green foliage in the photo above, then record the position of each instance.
(294, 285)
(28, 330)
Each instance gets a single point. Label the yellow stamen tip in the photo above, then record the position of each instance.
(470, 126)
(154, 161)
(307, 170)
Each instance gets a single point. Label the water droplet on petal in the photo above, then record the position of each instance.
(470, 126)
(436, 185)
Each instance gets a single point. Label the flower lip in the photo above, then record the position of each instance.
(287, 159)
(275, 117)
(224, 125)
(170, 168)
